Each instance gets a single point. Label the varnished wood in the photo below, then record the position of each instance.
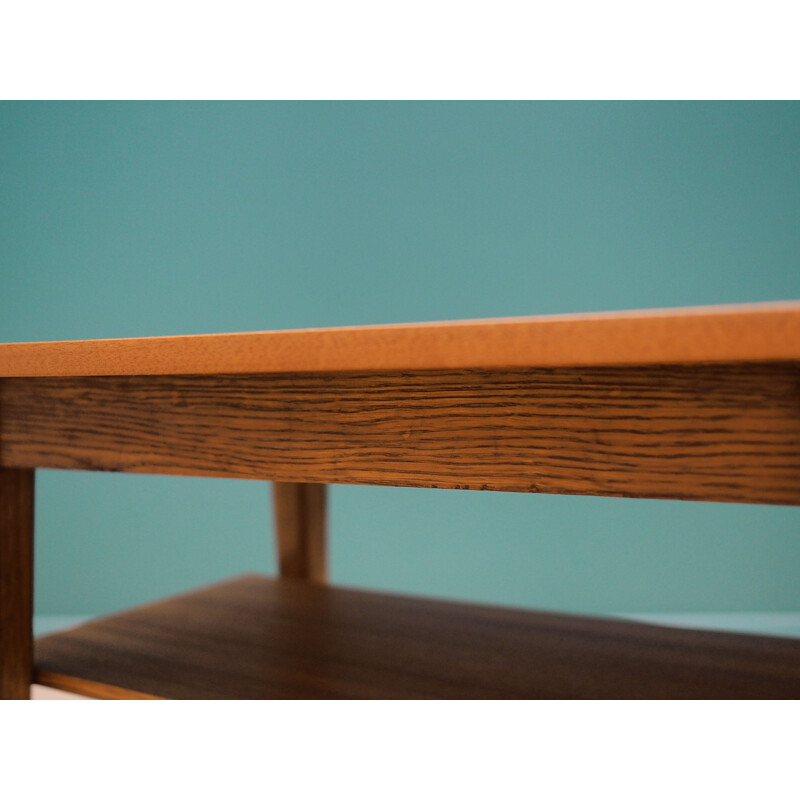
(700, 432)
(260, 638)
(16, 583)
(697, 404)
(98, 691)
(300, 530)
(758, 332)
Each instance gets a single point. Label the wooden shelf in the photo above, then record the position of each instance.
(259, 638)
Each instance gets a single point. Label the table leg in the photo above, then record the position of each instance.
(16, 583)
(300, 529)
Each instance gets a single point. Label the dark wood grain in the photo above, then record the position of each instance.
(301, 530)
(700, 432)
(255, 637)
(16, 583)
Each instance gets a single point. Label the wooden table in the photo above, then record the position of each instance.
(689, 404)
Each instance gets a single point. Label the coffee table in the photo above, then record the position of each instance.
(698, 404)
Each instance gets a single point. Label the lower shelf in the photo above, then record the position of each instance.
(259, 638)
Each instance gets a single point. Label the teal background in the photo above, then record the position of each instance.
(132, 219)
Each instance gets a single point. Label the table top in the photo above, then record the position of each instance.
(711, 334)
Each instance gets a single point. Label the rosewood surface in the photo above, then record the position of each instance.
(726, 432)
(256, 638)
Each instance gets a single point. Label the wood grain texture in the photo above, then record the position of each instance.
(699, 432)
(255, 638)
(757, 332)
(301, 530)
(16, 583)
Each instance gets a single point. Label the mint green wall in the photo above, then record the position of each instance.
(129, 219)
